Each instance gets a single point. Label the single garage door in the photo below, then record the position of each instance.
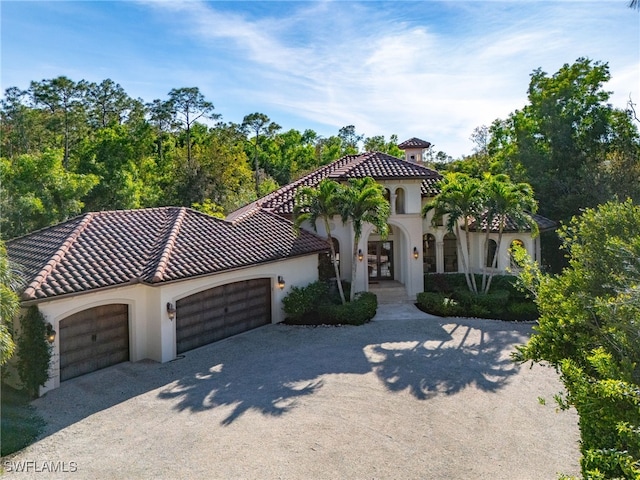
(93, 339)
(223, 311)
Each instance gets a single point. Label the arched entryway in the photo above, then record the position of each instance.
(380, 257)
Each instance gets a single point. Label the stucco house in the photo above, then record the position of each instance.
(414, 246)
(154, 283)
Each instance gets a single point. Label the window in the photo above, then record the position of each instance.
(491, 248)
(400, 200)
(450, 250)
(429, 253)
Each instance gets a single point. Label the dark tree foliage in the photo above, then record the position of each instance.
(34, 352)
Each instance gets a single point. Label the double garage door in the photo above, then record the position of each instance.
(99, 337)
(93, 339)
(221, 312)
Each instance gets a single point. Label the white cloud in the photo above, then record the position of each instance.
(340, 63)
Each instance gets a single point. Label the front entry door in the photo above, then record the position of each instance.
(380, 260)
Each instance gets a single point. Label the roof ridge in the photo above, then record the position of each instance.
(168, 246)
(57, 257)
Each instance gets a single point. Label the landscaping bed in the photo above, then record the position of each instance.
(447, 295)
(318, 304)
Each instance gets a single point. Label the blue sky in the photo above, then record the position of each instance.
(433, 70)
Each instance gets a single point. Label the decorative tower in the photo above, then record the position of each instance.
(414, 149)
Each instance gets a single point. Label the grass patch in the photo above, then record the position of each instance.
(19, 422)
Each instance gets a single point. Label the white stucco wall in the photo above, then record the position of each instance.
(152, 334)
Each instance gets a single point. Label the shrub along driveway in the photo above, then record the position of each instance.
(405, 396)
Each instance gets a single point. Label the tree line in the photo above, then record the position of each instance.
(568, 142)
(69, 147)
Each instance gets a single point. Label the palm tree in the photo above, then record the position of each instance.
(460, 198)
(363, 201)
(9, 304)
(490, 186)
(320, 203)
(511, 201)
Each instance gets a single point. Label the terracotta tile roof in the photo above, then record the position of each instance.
(414, 143)
(155, 245)
(378, 165)
(543, 224)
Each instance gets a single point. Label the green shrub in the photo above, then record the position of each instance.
(512, 284)
(34, 352)
(302, 301)
(495, 301)
(439, 304)
(429, 301)
(313, 305)
(490, 305)
(505, 301)
(360, 311)
(523, 310)
(479, 311)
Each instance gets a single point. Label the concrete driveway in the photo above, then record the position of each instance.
(406, 396)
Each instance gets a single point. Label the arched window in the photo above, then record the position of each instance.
(387, 195)
(400, 201)
(429, 253)
(450, 250)
(492, 246)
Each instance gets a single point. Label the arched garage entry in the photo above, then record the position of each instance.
(93, 339)
(221, 312)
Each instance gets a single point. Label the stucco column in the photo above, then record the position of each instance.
(392, 202)
(439, 256)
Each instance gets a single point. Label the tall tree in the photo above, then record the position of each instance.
(502, 201)
(379, 144)
(570, 144)
(350, 140)
(363, 201)
(328, 149)
(560, 137)
(320, 204)
(258, 123)
(187, 106)
(460, 199)
(588, 330)
(17, 129)
(108, 104)
(37, 191)
(63, 99)
(121, 157)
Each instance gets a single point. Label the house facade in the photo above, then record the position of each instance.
(155, 283)
(415, 245)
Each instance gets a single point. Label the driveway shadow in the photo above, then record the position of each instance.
(271, 370)
(476, 353)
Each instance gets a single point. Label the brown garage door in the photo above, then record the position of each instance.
(223, 311)
(93, 339)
